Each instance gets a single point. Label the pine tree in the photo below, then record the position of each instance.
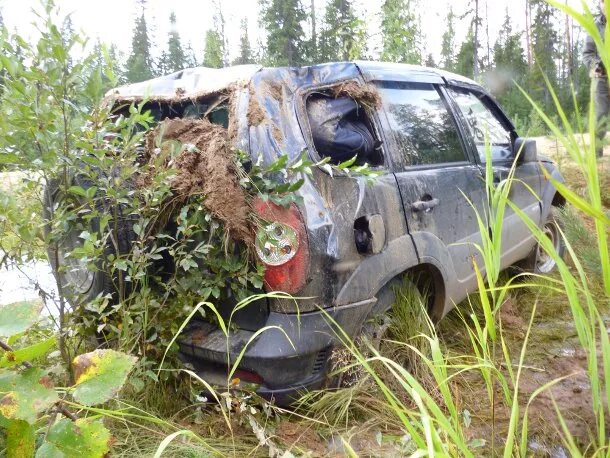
(544, 38)
(508, 52)
(283, 23)
(245, 49)
(213, 52)
(430, 61)
(343, 35)
(464, 61)
(174, 58)
(448, 44)
(511, 67)
(190, 60)
(400, 32)
(139, 66)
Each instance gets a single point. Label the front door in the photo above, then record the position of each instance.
(436, 177)
(486, 124)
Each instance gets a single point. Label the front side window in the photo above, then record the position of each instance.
(424, 128)
(483, 125)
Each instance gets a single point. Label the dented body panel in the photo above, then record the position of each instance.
(361, 234)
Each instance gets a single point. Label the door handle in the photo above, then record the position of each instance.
(424, 205)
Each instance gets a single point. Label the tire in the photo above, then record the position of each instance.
(375, 330)
(538, 261)
(78, 283)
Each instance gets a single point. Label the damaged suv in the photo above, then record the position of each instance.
(351, 238)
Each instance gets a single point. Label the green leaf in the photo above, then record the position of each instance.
(20, 439)
(79, 439)
(77, 190)
(100, 375)
(13, 358)
(25, 394)
(18, 317)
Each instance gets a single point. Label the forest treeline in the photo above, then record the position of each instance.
(546, 53)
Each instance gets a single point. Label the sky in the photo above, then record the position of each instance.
(112, 21)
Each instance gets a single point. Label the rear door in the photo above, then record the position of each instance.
(436, 175)
(484, 119)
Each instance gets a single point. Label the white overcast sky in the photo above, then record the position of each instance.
(112, 20)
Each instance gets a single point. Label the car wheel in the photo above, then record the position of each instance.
(79, 281)
(539, 261)
(377, 331)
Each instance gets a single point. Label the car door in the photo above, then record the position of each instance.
(484, 120)
(436, 177)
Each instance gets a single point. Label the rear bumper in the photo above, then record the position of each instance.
(290, 356)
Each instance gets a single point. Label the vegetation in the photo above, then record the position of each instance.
(506, 373)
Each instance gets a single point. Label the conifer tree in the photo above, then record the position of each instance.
(400, 32)
(430, 61)
(245, 49)
(139, 65)
(544, 38)
(511, 67)
(464, 61)
(190, 60)
(174, 58)
(213, 53)
(343, 34)
(283, 24)
(448, 44)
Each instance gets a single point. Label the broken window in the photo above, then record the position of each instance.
(341, 130)
(214, 109)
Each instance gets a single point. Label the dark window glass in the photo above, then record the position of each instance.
(423, 127)
(484, 126)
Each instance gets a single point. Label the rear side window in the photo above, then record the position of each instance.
(341, 129)
(484, 125)
(424, 129)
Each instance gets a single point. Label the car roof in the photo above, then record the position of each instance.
(199, 81)
(391, 71)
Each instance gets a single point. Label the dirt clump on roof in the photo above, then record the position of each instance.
(205, 166)
(366, 95)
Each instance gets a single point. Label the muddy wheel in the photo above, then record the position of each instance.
(80, 282)
(539, 261)
(387, 323)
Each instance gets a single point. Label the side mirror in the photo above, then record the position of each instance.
(526, 149)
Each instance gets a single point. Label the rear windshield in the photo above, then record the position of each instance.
(215, 110)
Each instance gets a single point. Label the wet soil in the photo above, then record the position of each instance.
(206, 167)
(367, 95)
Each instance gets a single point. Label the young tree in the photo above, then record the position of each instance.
(245, 49)
(283, 23)
(448, 44)
(174, 58)
(139, 66)
(343, 35)
(400, 32)
(213, 53)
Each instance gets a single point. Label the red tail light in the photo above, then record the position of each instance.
(282, 246)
